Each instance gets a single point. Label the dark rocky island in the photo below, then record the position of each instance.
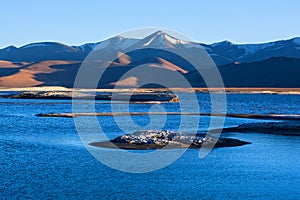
(157, 139)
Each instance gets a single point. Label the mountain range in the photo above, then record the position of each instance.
(273, 64)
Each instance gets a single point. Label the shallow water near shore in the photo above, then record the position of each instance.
(44, 157)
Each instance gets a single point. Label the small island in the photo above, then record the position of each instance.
(158, 139)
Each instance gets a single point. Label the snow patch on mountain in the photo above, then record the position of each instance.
(157, 38)
(162, 39)
(171, 39)
(34, 45)
(225, 42)
(149, 42)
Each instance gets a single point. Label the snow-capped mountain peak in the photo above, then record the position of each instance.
(224, 52)
(162, 39)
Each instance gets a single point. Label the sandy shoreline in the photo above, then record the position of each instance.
(217, 90)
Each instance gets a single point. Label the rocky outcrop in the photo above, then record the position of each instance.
(156, 139)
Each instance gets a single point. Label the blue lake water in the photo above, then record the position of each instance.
(44, 157)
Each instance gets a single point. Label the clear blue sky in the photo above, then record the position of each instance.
(208, 21)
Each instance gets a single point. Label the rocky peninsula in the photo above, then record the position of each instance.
(286, 127)
(158, 139)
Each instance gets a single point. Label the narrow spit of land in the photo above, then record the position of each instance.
(295, 117)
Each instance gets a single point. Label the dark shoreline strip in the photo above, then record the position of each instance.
(116, 114)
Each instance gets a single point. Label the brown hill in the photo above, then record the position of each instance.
(24, 74)
(273, 72)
